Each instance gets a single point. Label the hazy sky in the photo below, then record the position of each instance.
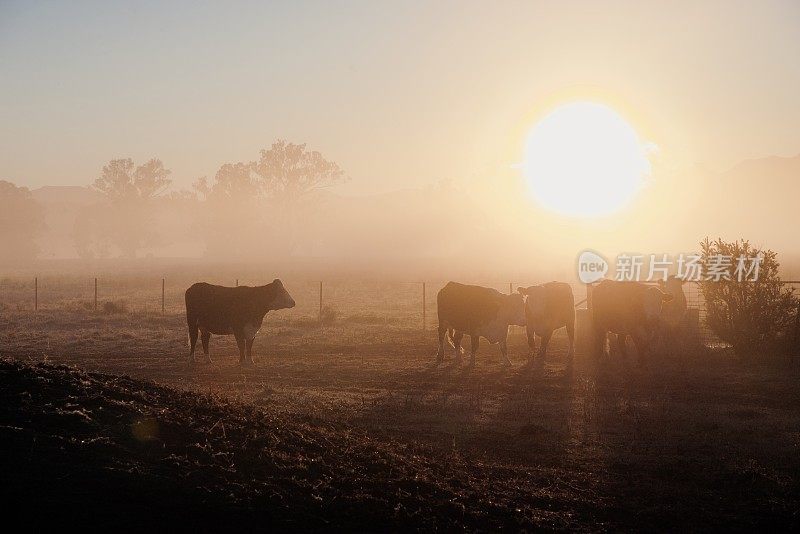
(399, 94)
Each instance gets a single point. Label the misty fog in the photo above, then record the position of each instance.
(286, 208)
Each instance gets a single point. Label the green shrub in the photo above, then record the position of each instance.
(749, 314)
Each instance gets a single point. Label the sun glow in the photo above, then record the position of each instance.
(584, 159)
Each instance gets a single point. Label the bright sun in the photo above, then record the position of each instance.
(583, 159)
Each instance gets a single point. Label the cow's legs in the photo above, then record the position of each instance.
(240, 342)
(476, 340)
(204, 337)
(531, 342)
(545, 341)
(622, 347)
(457, 337)
(249, 346)
(660, 335)
(192, 340)
(440, 352)
(670, 342)
(504, 352)
(571, 336)
(673, 340)
(599, 343)
(676, 341)
(641, 348)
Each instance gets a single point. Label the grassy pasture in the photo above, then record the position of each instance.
(696, 440)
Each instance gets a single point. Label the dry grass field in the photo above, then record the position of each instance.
(353, 425)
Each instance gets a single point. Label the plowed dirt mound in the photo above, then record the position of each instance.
(113, 451)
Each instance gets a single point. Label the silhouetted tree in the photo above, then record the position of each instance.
(21, 223)
(233, 181)
(288, 172)
(121, 181)
(252, 204)
(748, 313)
(131, 191)
(234, 211)
(289, 175)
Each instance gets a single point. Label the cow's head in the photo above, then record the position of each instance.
(281, 298)
(512, 309)
(534, 301)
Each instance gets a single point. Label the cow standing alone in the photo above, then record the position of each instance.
(549, 307)
(239, 311)
(476, 311)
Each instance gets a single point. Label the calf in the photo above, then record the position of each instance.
(239, 311)
(549, 307)
(476, 311)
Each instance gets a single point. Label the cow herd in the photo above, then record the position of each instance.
(619, 311)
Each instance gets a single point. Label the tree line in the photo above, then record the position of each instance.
(266, 197)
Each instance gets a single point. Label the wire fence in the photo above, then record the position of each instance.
(411, 304)
(348, 300)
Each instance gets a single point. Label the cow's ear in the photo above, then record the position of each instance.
(522, 291)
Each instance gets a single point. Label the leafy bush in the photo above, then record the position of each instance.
(749, 314)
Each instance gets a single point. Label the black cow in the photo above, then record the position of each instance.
(476, 311)
(231, 310)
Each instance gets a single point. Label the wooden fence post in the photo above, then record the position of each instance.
(320, 302)
(237, 282)
(511, 288)
(95, 293)
(424, 323)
